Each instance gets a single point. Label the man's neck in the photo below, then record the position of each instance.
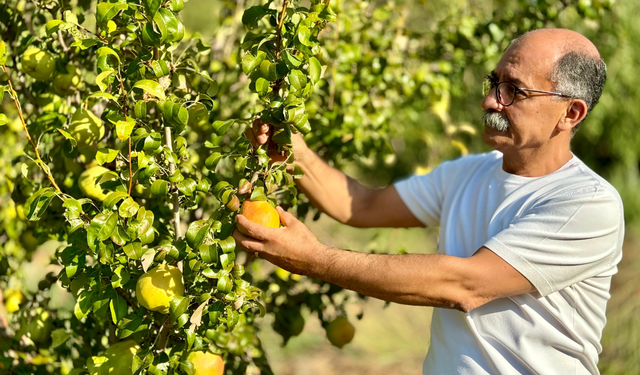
(535, 162)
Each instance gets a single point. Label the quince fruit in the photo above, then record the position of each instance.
(38, 64)
(156, 288)
(205, 363)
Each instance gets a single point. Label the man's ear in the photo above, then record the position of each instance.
(575, 113)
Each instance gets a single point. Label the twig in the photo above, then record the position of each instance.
(172, 170)
(127, 298)
(279, 30)
(125, 110)
(41, 164)
(62, 43)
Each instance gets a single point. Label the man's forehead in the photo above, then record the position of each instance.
(525, 65)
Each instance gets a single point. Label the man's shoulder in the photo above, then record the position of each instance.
(578, 177)
(475, 161)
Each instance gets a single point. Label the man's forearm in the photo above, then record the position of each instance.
(411, 279)
(330, 190)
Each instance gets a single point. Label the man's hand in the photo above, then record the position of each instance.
(260, 134)
(292, 247)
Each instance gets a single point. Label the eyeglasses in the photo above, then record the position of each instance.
(506, 92)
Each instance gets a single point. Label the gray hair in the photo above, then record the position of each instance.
(580, 76)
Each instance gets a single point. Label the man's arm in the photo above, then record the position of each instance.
(340, 196)
(417, 279)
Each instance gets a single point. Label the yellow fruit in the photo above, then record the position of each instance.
(117, 360)
(86, 127)
(63, 83)
(340, 332)
(38, 64)
(199, 117)
(37, 325)
(260, 212)
(94, 185)
(155, 288)
(205, 363)
(12, 299)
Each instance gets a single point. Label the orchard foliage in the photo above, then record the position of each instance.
(135, 156)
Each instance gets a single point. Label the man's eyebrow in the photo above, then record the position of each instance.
(507, 78)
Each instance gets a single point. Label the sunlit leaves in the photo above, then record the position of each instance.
(37, 204)
(151, 87)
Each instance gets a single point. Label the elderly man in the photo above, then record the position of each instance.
(529, 236)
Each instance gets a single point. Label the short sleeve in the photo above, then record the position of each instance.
(424, 195)
(565, 239)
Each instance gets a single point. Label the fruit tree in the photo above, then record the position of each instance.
(135, 162)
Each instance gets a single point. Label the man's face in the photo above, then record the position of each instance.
(532, 118)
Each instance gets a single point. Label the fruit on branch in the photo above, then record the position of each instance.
(156, 288)
(38, 64)
(340, 332)
(95, 183)
(86, 127)
(37, 325)
(199, 117)
(205, 363)
(65, 83)
(260, 212)
(118, 359)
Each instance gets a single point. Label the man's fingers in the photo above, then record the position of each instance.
(252, 229)
(263, 138)
(286, 218)
(250, 244)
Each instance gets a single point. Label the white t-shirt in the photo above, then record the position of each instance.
(562, 231)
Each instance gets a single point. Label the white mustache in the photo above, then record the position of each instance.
(496, 120)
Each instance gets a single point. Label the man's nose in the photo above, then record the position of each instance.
(490, 102)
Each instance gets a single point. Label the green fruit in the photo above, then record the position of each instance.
(86, 127)
(38, 64)
(117, 360)
(340, 332)
(37, 325)
(63, 83)
(199, 117)
(94, 185)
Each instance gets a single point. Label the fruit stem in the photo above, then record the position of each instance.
(41, 164)
(172, 170)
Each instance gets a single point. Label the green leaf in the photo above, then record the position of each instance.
(101, 228)
(151, 87)
(297, 79)
(160, 188)
(83, 304)
(209, 253)
(68, 136)
(252, 15)
(134, 250)
(104, 52)
(315, 69)
(113, 198)
(129, 326)
(197, 232)
(120, 277)
(103, 79)
(258, 194)
(120, 236)
(124, 128)
(303, 35)
(250, 62)
(59, 336)
(4, 120)
(37, 203)
(152, 7)
(228, 245)
(106, 11)
(53, 26)
(268, 70)
(187, 186)
(213, 160)
(291, 60)
(85, 43)
(168, 25)
(178, 305)
(118, 308)
(106, 155)
(262, 86)
(128, 208)
(101, 95)
(221, 127)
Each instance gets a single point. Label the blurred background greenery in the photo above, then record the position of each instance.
(402, 93)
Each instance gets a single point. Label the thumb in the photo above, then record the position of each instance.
(286, 218)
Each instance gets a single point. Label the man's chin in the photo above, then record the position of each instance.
(492, 136)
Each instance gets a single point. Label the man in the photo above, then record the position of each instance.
(529, 236)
